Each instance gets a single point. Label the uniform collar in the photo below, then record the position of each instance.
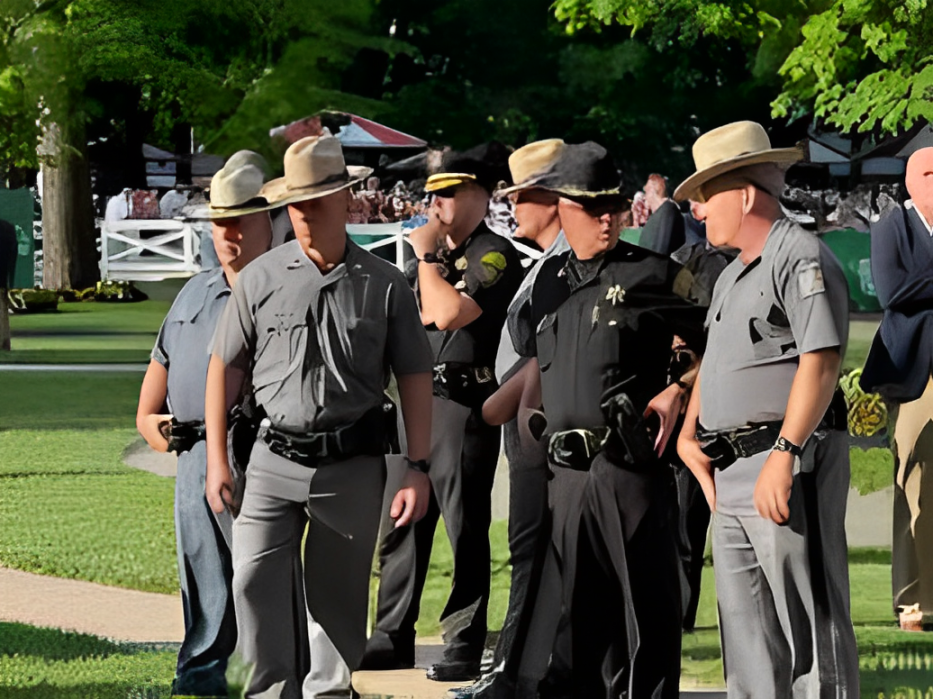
(579, 272)
(215, 287)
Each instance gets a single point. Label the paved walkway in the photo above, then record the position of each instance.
(75, 605)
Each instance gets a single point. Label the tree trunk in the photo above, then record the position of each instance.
(4, 322)
(69, 241)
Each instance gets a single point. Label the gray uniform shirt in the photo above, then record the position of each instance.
(318, 347)
(518, 331)
(792, 300)
(184, 341)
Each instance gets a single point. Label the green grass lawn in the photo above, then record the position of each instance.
(87, 333)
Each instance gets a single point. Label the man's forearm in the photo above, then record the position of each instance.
(811, 393)
(415, 394)
(215, 411)
(440, 301)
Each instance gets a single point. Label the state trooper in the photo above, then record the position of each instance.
(522, 651)
(464, 276)
(765, 429)
(611, 398)
(175, 379)
(313, 329)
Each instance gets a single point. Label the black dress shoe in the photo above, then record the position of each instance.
(454, 671)
(386, 653)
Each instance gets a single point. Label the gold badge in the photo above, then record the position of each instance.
(616, 294)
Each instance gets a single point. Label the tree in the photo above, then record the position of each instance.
(863, 65)
(228, 69)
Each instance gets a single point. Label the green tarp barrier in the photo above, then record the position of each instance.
(16, 206)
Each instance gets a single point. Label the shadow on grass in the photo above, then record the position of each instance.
(55, 644)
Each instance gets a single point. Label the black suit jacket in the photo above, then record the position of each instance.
(900, 362)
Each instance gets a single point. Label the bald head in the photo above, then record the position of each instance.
(919, 181)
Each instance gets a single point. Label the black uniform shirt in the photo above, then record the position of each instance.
(615, 323)
(183, 345)
(487, 268)
(319, 346)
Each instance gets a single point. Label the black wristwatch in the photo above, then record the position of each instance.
(783, 444)
(421, 465)
(430, 257)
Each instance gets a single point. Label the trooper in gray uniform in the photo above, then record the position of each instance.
(314, 327)
(175, 379)
(765, 435)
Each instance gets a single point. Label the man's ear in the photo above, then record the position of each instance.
(749, 195)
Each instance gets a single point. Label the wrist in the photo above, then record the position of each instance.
(785, 446)
(419, 465)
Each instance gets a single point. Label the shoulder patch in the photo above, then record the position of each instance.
(494, 264)
(810, 279)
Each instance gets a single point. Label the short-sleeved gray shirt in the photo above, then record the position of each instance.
(792, 300)
(183, 344)
(318, 347)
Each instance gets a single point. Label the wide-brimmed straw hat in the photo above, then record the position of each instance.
(729, 148)
(485, 165)
(235, 188)
(584, 171)
(532, 166)
(314, 167)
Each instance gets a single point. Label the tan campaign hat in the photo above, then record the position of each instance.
(314, 167)
(530, 165)
(235, 188)
(729, 148)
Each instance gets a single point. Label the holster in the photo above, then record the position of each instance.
(630, 442)
(182, 436)
(464, 384)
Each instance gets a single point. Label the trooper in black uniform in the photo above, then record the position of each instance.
(464, 276)
(604, 352)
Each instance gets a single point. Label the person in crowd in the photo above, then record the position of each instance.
(765, 429)
(611, 396)
(899, 367)
(310, 334)
(170, 417)
(664, 231)
(464, 276)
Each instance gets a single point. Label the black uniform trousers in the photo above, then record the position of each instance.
(624, 618)
(464, 453)
(205, 571)
(690, 519)
(519, 650)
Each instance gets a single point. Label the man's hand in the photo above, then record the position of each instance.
(411, 501)
(772, 491)
(424, 239)
(155, 428)
(218, 487)
(667, 405)
(700, 465)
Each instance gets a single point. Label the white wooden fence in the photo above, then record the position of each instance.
(173, 247)
(171, 250)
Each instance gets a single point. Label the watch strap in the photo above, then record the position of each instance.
(784, 444)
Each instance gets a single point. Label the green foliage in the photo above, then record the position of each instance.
(872, 469)
(856, 64)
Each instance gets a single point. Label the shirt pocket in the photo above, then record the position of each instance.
(547, 341)
(769, 330)
(280, 349)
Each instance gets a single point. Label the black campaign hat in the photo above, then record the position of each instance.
(487, 165)
(584, 171)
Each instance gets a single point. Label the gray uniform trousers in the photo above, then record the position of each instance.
(784, 590)
(205, 572)
(340, 504)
